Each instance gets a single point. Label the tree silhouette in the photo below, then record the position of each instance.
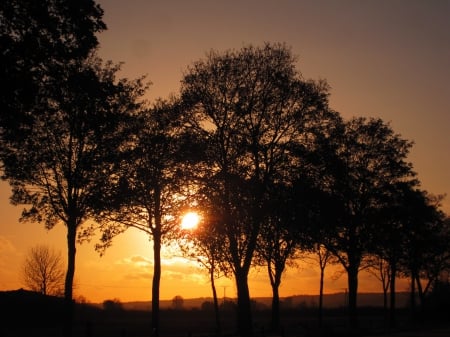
(324, 257)
(149, 189)
(57, 169)
(368, 158)
(283, 235)
(44, 270)
(393, 221)
(381, 269)
(178, 302)
(253, 104)
(204, 246)
(425, 246)
(39, 39)
(40, 42)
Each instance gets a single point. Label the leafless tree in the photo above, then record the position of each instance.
(44, 271)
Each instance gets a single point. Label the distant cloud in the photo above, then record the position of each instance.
(136, 261)
(178, 269)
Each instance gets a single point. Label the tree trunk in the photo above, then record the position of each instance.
(275, 281)
(244, 314)
(68, 286)
(156, 282)
(392, 318)
(352, 296)
(322, 275)
(412, 295)
(216, 302)
(420, 291)
(275, 323)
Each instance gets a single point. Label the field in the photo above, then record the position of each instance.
(32, 315)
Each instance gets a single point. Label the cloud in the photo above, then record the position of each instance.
(137, 261)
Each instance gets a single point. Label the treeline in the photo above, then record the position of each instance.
(248, 143)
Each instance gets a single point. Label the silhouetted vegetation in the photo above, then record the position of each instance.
(254, 107)
(43, 271)
(48, 110)
(249, 143)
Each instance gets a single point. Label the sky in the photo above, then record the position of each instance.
(382, 58)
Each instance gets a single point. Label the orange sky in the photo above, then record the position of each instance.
(382, 58)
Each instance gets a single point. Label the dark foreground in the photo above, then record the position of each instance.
(37, 317)
(422, 332)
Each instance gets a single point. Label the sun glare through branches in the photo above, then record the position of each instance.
(190, 220)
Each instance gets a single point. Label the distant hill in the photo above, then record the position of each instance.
(17, 300)
(337, 300)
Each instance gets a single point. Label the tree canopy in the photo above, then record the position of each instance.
(254, 106)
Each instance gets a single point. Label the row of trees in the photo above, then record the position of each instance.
(248, 143)
(285, 174)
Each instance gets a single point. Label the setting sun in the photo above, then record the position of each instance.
(190, 220)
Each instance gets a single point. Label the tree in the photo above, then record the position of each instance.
(39, 39)
(282, 236)
(368, 158)
(381, 269)
(113, 305)
(324, 257)
(44, 270)
(425, 246)
(393, 222)
(58, 169)
(204, 246)
(149, 188)
(178, 302)
(252, 103)
(315, 205)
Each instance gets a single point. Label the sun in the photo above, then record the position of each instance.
(190, 220)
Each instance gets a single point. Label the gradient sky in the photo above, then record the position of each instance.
(383, 58)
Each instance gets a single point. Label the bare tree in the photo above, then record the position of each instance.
(44, 271)
(381, 269)
(324, 256)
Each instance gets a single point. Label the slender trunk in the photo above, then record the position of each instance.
(216, 302)
(245, 325)
(385, 300)
(156, 282)
(419, 291)
(413, 297)
(392, 318)
(275, 281)
(352, 296)
(322, 275)
(156, 233)
(275, 323)
(68, 286)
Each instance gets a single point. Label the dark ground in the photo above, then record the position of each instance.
(32, 315)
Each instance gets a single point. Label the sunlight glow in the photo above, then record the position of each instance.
(190, 220)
